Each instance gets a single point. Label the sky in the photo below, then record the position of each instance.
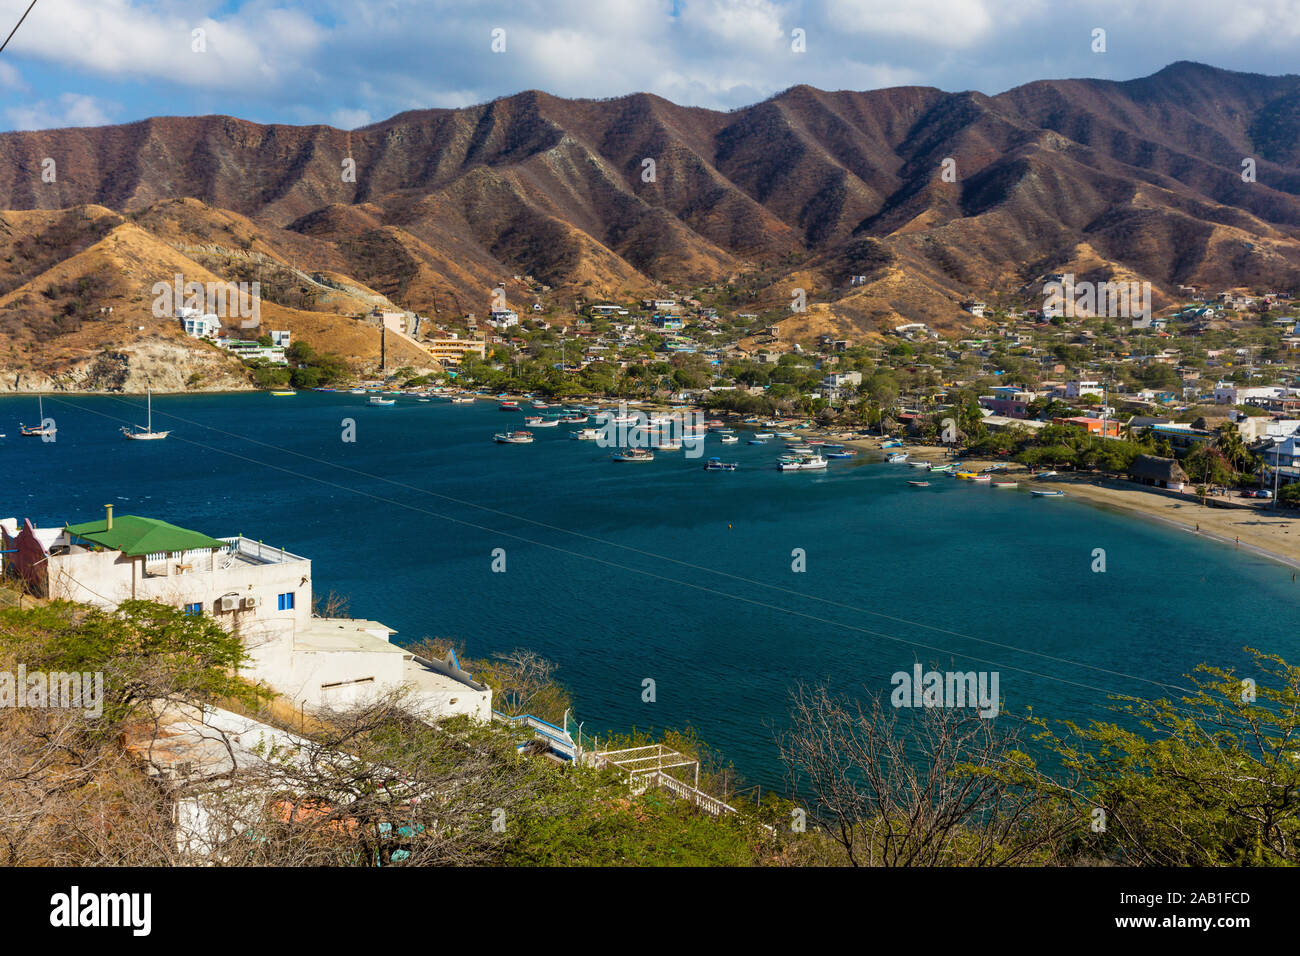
(349, 63)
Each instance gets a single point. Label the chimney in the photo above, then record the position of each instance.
(108, 517)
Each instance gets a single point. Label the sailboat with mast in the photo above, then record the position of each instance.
(148, 434)
(42, 430)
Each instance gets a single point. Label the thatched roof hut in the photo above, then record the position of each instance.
(1160, 472)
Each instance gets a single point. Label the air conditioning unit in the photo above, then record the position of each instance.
(229, 603)
(252, 600)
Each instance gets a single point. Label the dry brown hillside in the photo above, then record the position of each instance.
(617, 197)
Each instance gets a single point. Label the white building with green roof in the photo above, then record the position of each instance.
(262, 592)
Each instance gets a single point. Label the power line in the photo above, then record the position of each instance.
(16, 26)
(651, 574)
(660, 557)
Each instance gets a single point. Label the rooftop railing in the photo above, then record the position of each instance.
(247, 549)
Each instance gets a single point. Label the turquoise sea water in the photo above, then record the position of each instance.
(626, 572)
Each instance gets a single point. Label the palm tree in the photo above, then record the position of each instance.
(1228, 442)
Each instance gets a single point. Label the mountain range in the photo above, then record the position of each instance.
(1142, 179)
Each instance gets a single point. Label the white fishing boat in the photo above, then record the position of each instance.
(1047, 494)
(1043, 475)
(632, 454)
(801, 463)
(668, 444)
(717, 464)
(42, 430)
(513, 438)
(897, 458)
(148, 434)
(1006, 484)
(586, 434)
(536, 421)
(380, 400)
(729, 439)
(462, 399)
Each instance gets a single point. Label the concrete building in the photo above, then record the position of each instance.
(199, 325)
(262, 593)
(1008, 400)
(842, 379)
(452, 349)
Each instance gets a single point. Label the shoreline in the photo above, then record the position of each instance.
(1260, 531)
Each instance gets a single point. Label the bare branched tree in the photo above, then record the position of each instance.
(925, 792)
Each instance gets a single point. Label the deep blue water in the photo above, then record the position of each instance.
(619, 572)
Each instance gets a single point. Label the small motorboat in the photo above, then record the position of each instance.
(801, 463)
(586, 434)
(757, 441)
(1047, 494)
(283, 392)
(462, 400)
(1006, 484)
(632, 454)
(841, 454)
(1043, 475)
(513, 438)
(729, 439)
(897, 458)
(508, 406)
(380, 400)
(536, 421)
(919, 484)
(717, 464)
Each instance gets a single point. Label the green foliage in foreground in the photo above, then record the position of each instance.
(1211, 781)
(1211, 778)
(145, 651)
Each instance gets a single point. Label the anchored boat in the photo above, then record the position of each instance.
(801, 463)
(148, 434)
(717, 464)
(41, 430)
(513, 438)
(632, 454)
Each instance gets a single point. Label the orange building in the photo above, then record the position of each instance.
(1107, 427)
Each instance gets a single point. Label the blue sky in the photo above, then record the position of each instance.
(348, 63)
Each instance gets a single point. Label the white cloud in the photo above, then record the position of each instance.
(290, 60)
(350, 119)
(71, 109)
